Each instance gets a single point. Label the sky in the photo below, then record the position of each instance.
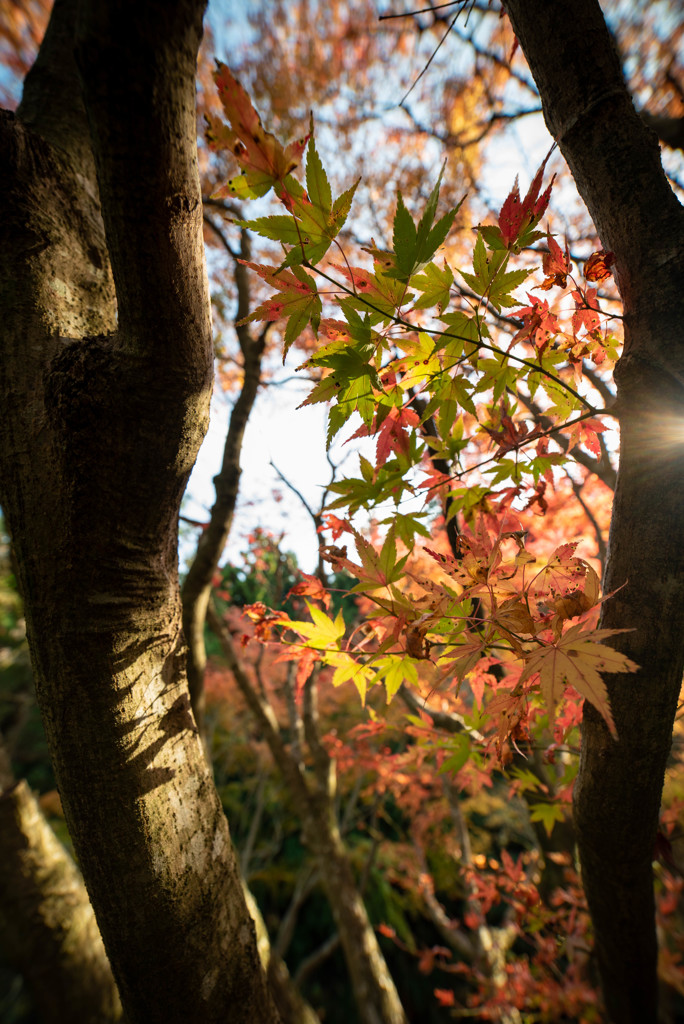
(294, 439)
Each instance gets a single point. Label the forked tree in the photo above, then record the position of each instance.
(106, 378)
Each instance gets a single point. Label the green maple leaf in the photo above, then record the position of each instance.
(313, 221)
(548, 814)
(378, 569)
(489, 278)
(434, 285)
(396, 669)
(414, 246)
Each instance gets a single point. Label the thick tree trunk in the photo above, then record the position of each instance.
(52, 936)
(105, 397)
(615, 161)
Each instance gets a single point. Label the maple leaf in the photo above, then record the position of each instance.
(306, 660)
(435, 286)
(347, 669)
(378, 568)
(297, 301)
(585, 432)
(414, 246)
(463, 658)
(335, 525)
(586, 311)
(516, 217)
(390, 424)
(597, 267)
(565, 575)
(314, 219)
(312, 586)
(510, 708)
(384, 294)
(539, 324)
(577, 659)
(556, 265)
(490, 279)
(547, 813)
(264, 160)
(396, 669)
(514, 617)
(393, 435)
(510, 435)
(322, 632)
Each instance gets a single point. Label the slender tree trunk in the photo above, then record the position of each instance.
(375, 993)
(105, 381)
(615, 161)
(212, 541)
(292, 1007)
(52, 937)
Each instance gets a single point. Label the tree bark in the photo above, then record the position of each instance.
(52, 936)
(105, 381)
(196, 588)
(375, 993)
(615, 161)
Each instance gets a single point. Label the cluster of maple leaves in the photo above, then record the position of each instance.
(383, 360)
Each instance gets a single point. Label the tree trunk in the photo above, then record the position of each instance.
(375, 994)
(52, 936)
(615, 161)
(292, 1006)
(105, 383)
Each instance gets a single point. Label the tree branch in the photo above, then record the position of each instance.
(138, 64)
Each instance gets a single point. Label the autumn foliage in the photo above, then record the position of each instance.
(473, 394)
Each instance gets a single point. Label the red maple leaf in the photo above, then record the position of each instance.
(263, 159)
(539, 324)
(510, 435)
(516, 215)
(336, 525)
(586, 433)
(586, 312)
(393, 435)
(556, 265)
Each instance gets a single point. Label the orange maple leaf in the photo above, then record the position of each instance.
(312, 587)
(586, 312)
(578, 659)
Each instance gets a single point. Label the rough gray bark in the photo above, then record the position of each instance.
(615, 161)
(105, 378)
(46, 916)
